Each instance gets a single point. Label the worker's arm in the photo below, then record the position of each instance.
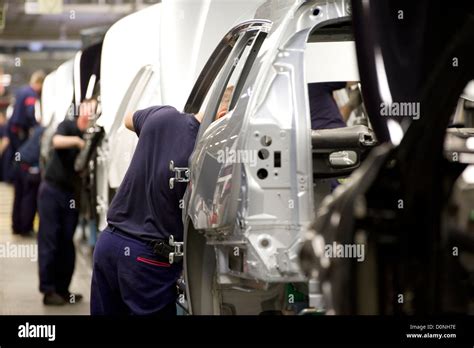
(135, 120)
(30, 111)
(4, 142)
(355, 100)
(67, 142)
(345, 111)
(128, 121)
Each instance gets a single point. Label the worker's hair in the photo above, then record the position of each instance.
(37, 77)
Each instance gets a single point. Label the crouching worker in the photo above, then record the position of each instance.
(131, 274)
(58, 212)
(129, 277)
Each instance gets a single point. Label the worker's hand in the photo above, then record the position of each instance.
(80, 143)
(88, 107)
(355, 98)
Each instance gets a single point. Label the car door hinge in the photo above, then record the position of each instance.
(177, 254)
(181, 174)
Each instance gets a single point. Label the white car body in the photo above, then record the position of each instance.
(167, 45)
(56, 101)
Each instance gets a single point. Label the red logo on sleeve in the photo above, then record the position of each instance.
(30, 101)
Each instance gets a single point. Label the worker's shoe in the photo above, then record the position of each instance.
(29, 234)
(72, 298)
(53, 299)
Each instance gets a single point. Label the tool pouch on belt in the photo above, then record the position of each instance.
(161, 248)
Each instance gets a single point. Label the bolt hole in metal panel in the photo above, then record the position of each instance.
(266, 140)
(263, 154)
(262, 174)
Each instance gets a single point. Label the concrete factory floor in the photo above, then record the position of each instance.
(19, 292)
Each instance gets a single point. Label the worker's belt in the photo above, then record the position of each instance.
(171, 250)
(25, 167)
(161, 248)
(15, 129)
(34, 170)
(167, 249)
(18, 131)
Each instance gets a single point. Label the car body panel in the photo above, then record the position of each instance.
(264, 219)
(48, 96)
(123, 55)
(170, 45)
(331, 62)
(57, 102)
(64, 90)
(188, 42)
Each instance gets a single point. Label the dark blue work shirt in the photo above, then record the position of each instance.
(145, 207)
(324, 110)
(60, 167)
(3, 133)
(23, 117)
(24, 110)
(30, 150)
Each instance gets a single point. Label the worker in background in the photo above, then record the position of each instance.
(3, 141)
(26, 184)
(58, 208)
(131, 270)
(2, 87)
(325, 114)
(7, 153)
(22, 121)
(3, 131)
(23, 118)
